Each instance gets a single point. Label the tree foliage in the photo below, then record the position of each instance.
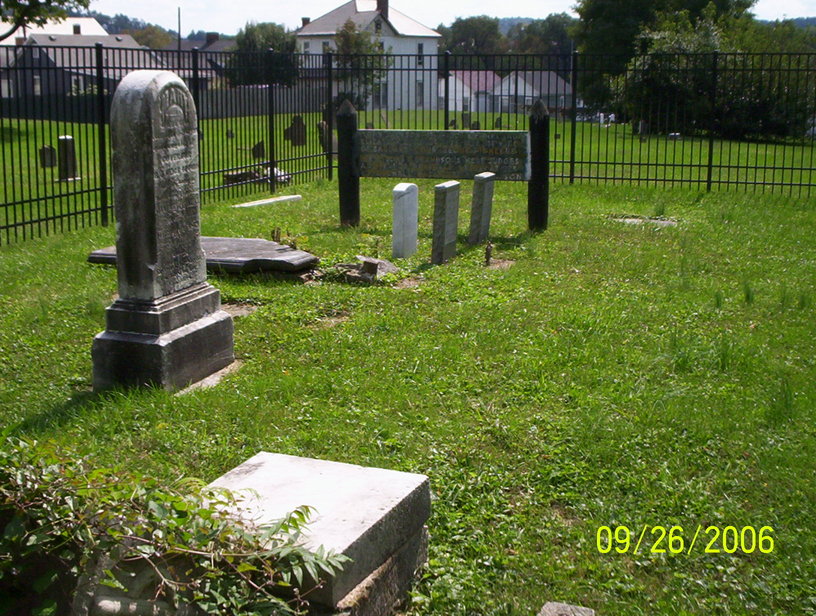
(362, 64)
(474, 35)
(17, 13)
(255, 65)
(152, 36)
(542, 36)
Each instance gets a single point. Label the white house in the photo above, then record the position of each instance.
(520, 89)
(469, 90)
(412, 79)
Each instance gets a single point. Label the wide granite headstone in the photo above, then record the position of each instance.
(481, 207)
(167, 327)
(406, 217)
(445, 222)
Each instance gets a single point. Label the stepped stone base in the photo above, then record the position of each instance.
(374, 516)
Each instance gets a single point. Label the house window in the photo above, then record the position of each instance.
(420, 54)
(420, 95)
(326, 47)
(306, 46)
(378, 27)
(77, 84)
(37, 85)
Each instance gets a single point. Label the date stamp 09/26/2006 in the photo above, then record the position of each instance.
(675, 540)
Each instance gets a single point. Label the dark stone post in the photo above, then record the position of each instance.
(348, 176)
(538, 187)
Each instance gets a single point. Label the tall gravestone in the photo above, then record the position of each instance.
(405, 219)
(167, 327)
(66, 158)
(445, 222)
(481, 208)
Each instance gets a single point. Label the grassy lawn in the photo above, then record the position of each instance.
(614, 375)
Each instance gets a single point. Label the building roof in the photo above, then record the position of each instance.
(76, 53)
(362, 13)
(541, 83)
(218, 44)
(87, 26)
(477, 81)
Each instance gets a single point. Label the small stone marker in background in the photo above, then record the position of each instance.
(405, 220)
(66, 157)
(482, 207)
(167, 327)
(564, 609)
(445, 222)
(296, 131)
(48, 157)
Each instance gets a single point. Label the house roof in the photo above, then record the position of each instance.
(362, 13)
(477, 81)
(216, 45)
(76, 53)
(87, 26)
(542, 83)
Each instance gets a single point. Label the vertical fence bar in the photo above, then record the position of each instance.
(270, 95)
(712, 121)
(100, 128)
(330, 113)
(574, 123)
(446, 76)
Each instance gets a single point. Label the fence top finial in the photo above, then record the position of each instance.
(346, 109)
(538, 110)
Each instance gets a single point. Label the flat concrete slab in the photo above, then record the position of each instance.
(366, 513)
(237, 255)
(564, 609)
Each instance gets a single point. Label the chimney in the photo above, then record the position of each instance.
(211, 37)
(77, 29)
(382, 8)
(305, 21)
(18, 41)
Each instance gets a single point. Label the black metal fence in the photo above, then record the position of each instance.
(707, 121)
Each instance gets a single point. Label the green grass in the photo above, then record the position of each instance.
(614, 375)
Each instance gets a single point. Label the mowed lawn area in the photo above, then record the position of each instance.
(607, 375)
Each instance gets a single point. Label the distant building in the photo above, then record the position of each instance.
(469, 90)
(414, 79)
(69, 25)
(212, 61)
(520, 89)
(66, 64)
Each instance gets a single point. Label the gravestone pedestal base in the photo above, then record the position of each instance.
(169, 342)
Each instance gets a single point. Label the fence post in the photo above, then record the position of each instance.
(713, 119)
(348, 177)
(270, 100)
(330, 108)
(196, 84)
(538, 186)
(574, 124)
(101, 141)
(446, 72)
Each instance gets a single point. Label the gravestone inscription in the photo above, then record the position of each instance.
(443, 154)
(167, 327)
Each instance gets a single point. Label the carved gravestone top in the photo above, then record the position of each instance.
(156, 196)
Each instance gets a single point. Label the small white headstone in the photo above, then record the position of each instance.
(406, 215)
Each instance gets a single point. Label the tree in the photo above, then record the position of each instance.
(22, 12)
(152, 36)
(253, 64)
(476, 35)
(361, 64)
(543, 36)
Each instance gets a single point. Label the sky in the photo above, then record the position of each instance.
(228, 16)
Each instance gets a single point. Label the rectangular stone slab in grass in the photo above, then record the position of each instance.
(368, 514)
(237, 255)
(405, 220)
